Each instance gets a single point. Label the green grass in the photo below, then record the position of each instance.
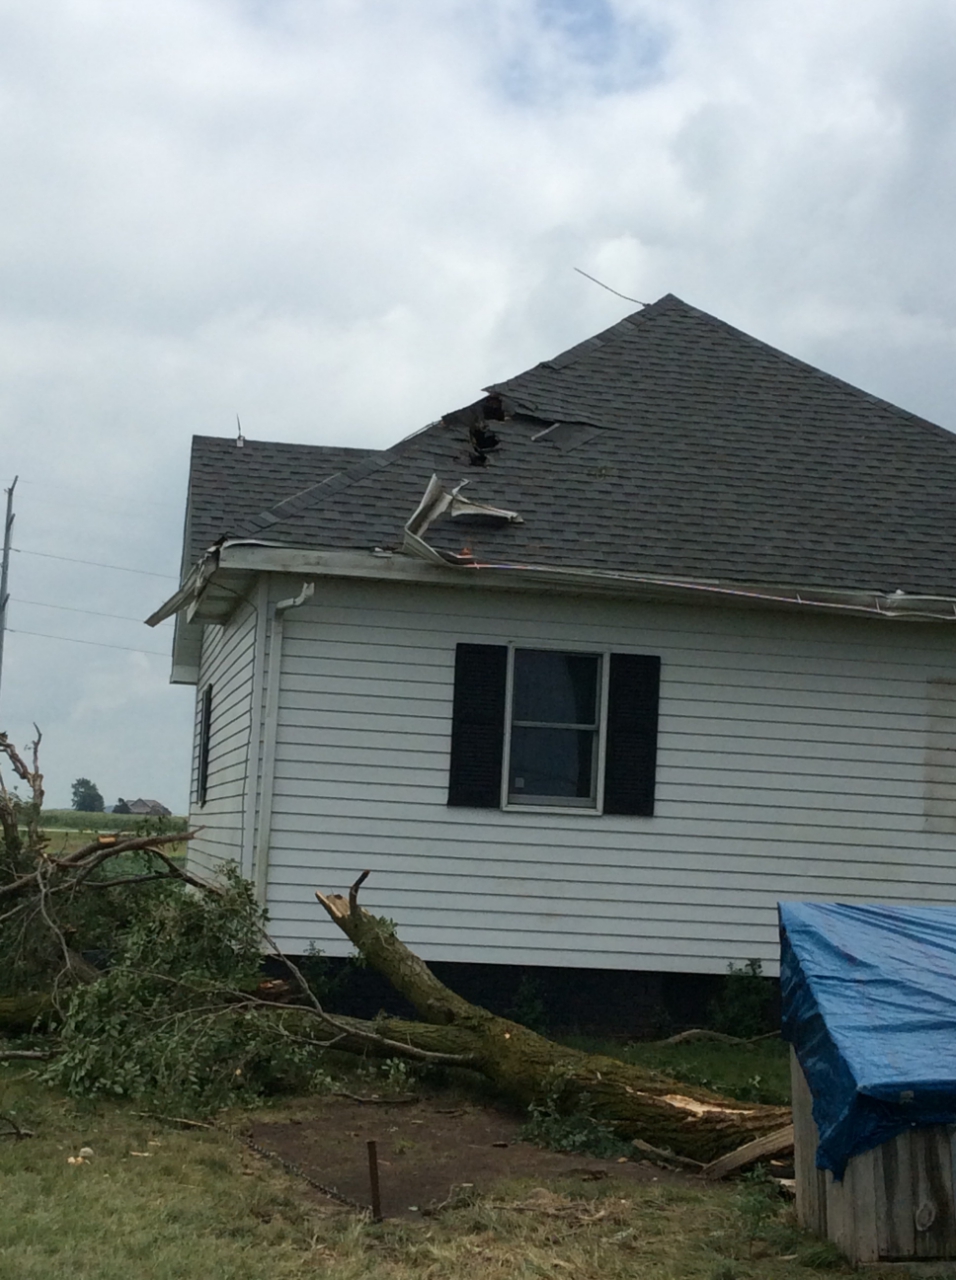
(74, 820)
(757, 1072)
(201, 1206)
(182, 1210)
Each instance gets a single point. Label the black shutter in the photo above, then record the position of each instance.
(478, 726)
(631, 757)
(205, 724)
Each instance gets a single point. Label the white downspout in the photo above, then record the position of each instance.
(270, 728)
(257, 710)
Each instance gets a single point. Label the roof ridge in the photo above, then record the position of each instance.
(581, 349)
(812, 368)
(667, 302)
(284, 444)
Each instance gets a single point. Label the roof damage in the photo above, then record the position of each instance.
(436, 502)
(670, 452)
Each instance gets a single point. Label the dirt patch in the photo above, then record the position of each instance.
(426, 1148)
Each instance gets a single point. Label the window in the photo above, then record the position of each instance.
(554, 728)
(549, 727)
(205, 723)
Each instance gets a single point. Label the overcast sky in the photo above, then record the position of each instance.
(341, 219)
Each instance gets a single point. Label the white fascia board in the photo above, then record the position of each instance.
(386, 566)
(398, 567)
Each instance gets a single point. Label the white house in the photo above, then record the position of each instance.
(684, 645)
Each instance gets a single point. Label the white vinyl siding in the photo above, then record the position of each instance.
(790, 765)
(227, 664)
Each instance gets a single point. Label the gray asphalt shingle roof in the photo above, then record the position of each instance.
(687, 449)
(228, 485)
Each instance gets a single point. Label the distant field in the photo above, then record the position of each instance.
(73, 820)
(63, 841)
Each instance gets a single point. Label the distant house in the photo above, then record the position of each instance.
(682, 646)
(149, 808)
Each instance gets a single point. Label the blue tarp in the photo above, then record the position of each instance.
(869, 1005)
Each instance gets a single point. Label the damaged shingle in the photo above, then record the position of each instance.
(567, 435)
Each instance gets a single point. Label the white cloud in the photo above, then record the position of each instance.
(340, 220)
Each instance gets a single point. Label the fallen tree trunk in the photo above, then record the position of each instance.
(20, 1013)
(635, 1102)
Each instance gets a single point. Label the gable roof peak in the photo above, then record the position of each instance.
(685, 447)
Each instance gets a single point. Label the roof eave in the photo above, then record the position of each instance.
(238, 563)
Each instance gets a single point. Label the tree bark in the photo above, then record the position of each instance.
(635, 1102)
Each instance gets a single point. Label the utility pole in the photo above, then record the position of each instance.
(5, 567)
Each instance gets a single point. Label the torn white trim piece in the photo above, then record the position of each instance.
(435, 502)
(190, 591)
(173, 604)
(249, 542)
(199, 575)
(465, 507)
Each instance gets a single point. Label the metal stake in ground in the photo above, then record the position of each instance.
(373, 1180)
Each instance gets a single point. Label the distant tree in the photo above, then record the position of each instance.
(121, 806)
(86, 796)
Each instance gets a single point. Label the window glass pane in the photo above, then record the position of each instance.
(551, 762)
(558, 688)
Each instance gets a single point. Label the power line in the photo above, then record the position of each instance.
(73, 488)
(48, 555)
(100, 644)
(42, 604)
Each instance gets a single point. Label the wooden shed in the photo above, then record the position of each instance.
(895, 1201)
(870, 1009)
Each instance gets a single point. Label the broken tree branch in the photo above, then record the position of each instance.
(352, 1028)
(77, 866)
(668, 1158)
(15, 1131)
(774, 1144)
(694, 1034)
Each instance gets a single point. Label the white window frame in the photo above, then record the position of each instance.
(604, 674)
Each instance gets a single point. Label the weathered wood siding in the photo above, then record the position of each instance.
(228, 658)
(895, 1201)
(791, 764)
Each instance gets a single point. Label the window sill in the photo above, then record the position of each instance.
(587, 811)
